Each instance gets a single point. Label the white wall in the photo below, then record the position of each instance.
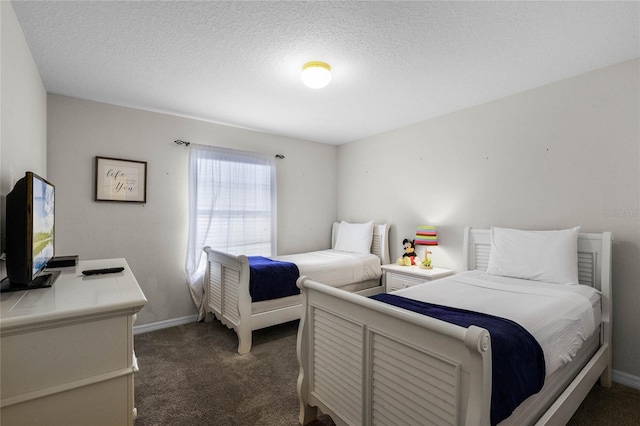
(23, 109)
(152, 237)
(557, 156)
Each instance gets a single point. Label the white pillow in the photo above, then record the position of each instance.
(550, 256)
(354, 237)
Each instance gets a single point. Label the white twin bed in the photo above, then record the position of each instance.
(368, 362)
(352, 265)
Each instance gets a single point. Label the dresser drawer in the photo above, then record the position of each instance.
(104, 403)
(47, 357)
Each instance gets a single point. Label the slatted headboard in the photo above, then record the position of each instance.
(379, 245)
(594, 270)
(594, 255)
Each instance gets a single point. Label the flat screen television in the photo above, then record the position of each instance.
(30, 220)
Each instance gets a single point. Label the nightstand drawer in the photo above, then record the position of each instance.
(398, 281)
(397, 277)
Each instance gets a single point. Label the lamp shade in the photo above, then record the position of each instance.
(316, 74)
(426, 235)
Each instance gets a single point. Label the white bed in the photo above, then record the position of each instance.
(358, 356)
(227, 294)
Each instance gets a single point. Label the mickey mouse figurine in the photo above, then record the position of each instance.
(409, 257)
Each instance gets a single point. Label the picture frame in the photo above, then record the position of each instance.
(120, 180)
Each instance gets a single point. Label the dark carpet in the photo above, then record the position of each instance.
(192, 375)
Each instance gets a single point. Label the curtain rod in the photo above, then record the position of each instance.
(186, 143)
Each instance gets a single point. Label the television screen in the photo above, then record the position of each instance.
(30, 232)
(43, 222)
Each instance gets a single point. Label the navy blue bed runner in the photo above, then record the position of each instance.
(271, 279)
(518, 367)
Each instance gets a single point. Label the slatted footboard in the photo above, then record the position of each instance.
(366, 363)
(227, 293)
(228, 297)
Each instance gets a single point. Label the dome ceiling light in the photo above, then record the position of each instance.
(316, 74)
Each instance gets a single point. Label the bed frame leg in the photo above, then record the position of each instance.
(605, 378)
(244, 341)
(307, 413)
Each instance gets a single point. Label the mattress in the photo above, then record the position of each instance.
(532, 408)
(560, 317)
(336, 268)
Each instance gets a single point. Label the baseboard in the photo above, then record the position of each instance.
(625, 379)
(159, 325)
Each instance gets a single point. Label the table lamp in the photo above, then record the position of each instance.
(426, 235)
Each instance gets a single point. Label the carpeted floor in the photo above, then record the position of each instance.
(618, 405)
(192, 375)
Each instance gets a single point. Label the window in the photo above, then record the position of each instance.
(232, 206)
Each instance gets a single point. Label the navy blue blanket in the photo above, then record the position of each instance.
(518, 368)
(271, 279)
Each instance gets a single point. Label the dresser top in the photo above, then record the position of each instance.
(73, 296)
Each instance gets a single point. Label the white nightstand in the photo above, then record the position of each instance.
(397, 276)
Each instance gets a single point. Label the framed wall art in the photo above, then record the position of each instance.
(121, 180)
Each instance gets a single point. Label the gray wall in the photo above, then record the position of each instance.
(23, 123)
(557, 156)
(152, 237)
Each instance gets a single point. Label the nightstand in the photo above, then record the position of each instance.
(397, 276)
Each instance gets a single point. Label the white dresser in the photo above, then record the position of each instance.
(67, 351)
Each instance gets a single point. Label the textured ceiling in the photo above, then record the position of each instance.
(394, 63)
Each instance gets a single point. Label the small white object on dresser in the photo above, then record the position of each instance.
(397, 277)
(67, 351)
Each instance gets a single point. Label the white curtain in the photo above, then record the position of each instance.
(232, 208)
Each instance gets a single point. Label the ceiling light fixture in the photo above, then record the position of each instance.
(316, 74)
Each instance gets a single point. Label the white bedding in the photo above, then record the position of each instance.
(336, 268)
(560, 317)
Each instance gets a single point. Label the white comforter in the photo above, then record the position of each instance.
(336, 268)
(560, 317)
